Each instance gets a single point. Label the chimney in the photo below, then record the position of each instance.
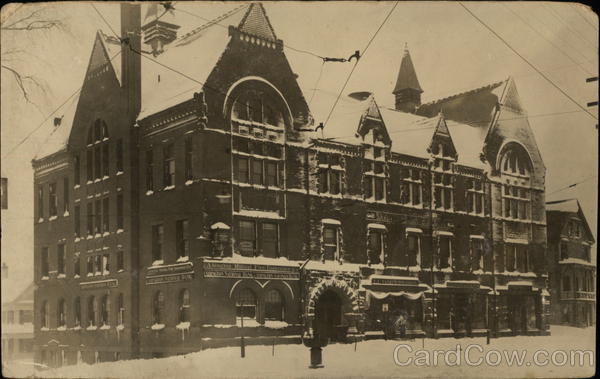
(4, 270)
(131, 60)
(159, 27)
(408, 90)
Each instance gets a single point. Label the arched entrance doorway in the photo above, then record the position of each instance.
(328, 315)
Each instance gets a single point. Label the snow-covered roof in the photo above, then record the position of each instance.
(566, 205)
(576, 261)
(410, 134)
(59, 135)
(13, 289)
(195, 53)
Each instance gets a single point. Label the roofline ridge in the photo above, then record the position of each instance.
(436, 101)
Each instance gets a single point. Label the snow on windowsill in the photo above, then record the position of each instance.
(61, 328)
(120, 327)
(98, 180)
(89, 182)
(97, 235)
(158, 262)
(183, 259)
(45, 278)
(66, 214)
(52, 218)
(91, 327)
(276, 324)
(218, 326)
(76, 327)
(77, 239)
(76, 276)
(105, 327)
(61, 276)
(76, 186)
(89, 237)
(189, 182)
(105, 234)
(119, 231)
(157, 326)
(89, 274)
(183, 326)
(44, 329)
(149, 192)
(248, 323)
(40, 220)
(168, 188)
(119, 173)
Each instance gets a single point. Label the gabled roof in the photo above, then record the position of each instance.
(195, 54)
(568, 207)
(14, 292)
(407, 76)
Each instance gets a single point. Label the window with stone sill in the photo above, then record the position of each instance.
(330, 173)
(475, 196)
(77, 312)
(376, 246)
(444, 257)
(157, 242)
(517, 202)
(274, 306)
(61, 315)
(258, 107)
(413, 248)
(92, 310)
(158, 305)
(61, 259)
(246, 304)
(411, 187)
(184, 306)
(443, 191)
(331, 242)
(45, 262)
(45, 315)
(168, 165)
(120, 309)
(40, 202)
(52, 200)
(516, 258)
(476, 256)
(564, 250)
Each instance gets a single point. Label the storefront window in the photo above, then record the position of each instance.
(274, 309)
(245, 304)
(331, 242)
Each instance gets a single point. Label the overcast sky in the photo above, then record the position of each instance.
(451, 51)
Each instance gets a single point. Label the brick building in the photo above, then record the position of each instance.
(571, 264)
(176, 212)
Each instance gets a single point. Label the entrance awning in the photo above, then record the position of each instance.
(379, 295)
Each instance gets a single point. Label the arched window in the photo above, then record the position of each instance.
(245, 304)
(158, 305)
(184, 306)
(92, 308)
(77, 311)
(105, 311)
(274, 308)
(516, 169)
(61, 313)
(120, 310)
(44, 315)
(259, 107)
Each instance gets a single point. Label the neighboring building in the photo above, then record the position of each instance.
(170, 217)
(571, 264)
(17, 319)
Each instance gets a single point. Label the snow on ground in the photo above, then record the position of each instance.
(370, 359)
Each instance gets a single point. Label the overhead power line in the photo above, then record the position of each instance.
(571, 185)
(575, 7)
(364, 51)
(106, 22)
(528, 62)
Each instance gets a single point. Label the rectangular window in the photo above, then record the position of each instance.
(61, 259)
(105, 160)
(168, 165)
(105, 215)
(52, 200)
(40, 202)
(76, 264)
(66, 195)
(564, 250)
(272, 174)
(368, 187)
(379, 188)
(90, 164)
(257, 172)
(413, 242)
(247, 237)
(376, 246)
(323, 180)
(98, 217)
(119, 154)
(183, 243)
(331, 243)
(522, 258)
(445, 252)
(77, 170)
(510, 258)
(270, 240)
(120, 261)
(157, 242)
(189, 158)
(105, 264)
(476, 254)
(120, 220)
(98, 265)
(98, 162)
(90, 266)
(149, 170)
(90, 219)
(45, 262)
(243, 170)
(334, 182)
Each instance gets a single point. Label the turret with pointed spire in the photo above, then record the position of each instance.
(408, 90)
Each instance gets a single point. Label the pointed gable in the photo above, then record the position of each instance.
(407, 77)
(105, 56)
(257, 23)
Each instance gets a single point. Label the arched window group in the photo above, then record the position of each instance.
(515, 167)
(257, 106)
(274, 308)
(249, 306)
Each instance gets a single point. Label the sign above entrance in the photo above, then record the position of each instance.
(249, 271)
(178, 272)
(110, 283)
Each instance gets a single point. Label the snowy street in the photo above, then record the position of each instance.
(341, 360)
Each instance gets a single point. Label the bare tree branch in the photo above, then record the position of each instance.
(22, 83)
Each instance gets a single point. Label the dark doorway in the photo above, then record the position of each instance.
(328, 315)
